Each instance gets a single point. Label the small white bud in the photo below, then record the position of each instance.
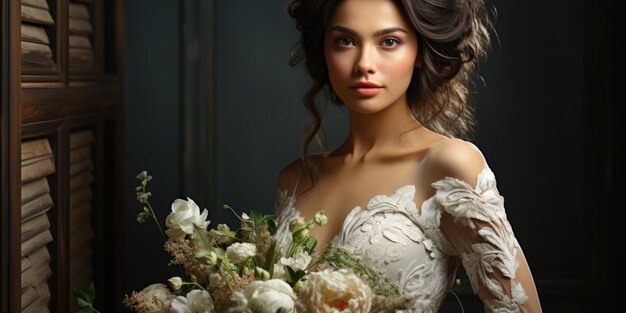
(296, 222)
(261, 274)
(175, 283)
(320, 219)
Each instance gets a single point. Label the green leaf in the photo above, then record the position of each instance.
(255, 217)
(220, 253)
(289, 273)
(202, 253)
(91, 292)
(282, 310)
(271, 227)
(269, 217)
(79, 294)
(293, 276)
(87, 309)
(310, 244)
(82, 303)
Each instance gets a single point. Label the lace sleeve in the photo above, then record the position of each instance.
(474, 222)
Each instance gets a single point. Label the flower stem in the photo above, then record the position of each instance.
(459, 300)
(156, 220)
(233, 210)
(195, 284)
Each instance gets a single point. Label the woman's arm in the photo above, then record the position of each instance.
(474, 222)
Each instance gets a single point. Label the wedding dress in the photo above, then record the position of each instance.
(418, 249)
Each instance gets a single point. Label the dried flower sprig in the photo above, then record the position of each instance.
(143, 197)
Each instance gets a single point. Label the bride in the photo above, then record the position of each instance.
(403, 192)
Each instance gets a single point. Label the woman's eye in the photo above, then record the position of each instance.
(389, 42)
(344, 42)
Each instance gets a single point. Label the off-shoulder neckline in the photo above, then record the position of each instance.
(408, 187)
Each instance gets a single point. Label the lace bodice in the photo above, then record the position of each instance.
(418, 249)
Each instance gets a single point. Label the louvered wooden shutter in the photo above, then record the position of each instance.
(81, 36)
(61, 210)
(37, 23)
(37, 164)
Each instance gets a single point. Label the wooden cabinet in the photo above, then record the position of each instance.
(61, 148)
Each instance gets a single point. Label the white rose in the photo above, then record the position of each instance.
(269, 296)
(299, 261)
(239, 252)
(159, 291)
(184, 218)
(196, 301)
(331, 291)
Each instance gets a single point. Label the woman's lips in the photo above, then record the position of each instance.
(366, 89)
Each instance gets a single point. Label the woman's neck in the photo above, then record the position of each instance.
(373, 133)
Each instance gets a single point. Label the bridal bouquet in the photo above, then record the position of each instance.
(245, 270)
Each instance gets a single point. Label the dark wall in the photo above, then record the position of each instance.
(258, 108)
(152, 131)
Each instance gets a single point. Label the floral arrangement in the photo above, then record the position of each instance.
(244, 269)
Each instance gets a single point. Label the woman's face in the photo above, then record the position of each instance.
(371, 52)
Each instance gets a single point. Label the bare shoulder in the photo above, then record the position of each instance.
(456, 158)
(288, 174)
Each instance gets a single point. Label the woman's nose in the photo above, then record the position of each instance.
(365, 65)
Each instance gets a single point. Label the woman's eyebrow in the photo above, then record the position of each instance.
(381, 32)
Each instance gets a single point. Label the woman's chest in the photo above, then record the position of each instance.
(379, 210)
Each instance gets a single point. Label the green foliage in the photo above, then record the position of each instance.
(84, 299)
(293, 276)
(342, 259)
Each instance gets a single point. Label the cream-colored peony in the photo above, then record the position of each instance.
(196, 301)
(238, 253)
(160, 292)
(299, 261)
(333, 291)
(269, 296)
(184, 218)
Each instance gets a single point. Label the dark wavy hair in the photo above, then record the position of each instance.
(452, 36)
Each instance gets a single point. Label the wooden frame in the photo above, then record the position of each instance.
(51, 104)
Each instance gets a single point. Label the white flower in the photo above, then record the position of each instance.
(331, 291)
(240, 252)
(269, 296)
(160, 292)
(175, 282)
(215, 280)
(184, 218)
(238, 303)
(196, 301)
(298, 262)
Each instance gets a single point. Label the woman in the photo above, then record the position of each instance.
(403, 192)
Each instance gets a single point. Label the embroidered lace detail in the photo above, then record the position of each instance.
(415, 249)
(387, 237)
(479, 217)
